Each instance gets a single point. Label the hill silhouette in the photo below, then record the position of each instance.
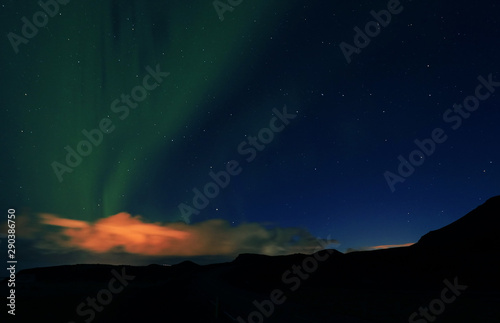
(367, 286)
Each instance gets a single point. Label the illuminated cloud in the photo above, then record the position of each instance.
(123, 232)
(387, 246)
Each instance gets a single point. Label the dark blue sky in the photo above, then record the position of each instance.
(322, 173)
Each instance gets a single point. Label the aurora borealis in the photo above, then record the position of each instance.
(221, 82)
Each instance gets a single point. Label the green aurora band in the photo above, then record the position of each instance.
(92, 53)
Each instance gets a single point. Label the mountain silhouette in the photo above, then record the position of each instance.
(389, 285)
(474, 232)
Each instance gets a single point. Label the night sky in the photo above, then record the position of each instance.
(301, 116)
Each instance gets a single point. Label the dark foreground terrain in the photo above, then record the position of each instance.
(450, 275)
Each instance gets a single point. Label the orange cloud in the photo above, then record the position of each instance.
(123, 232)
(387, 246)
(118, 231)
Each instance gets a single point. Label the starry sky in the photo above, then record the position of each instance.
(353, 125)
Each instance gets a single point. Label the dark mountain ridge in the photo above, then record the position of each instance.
(328, 286)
